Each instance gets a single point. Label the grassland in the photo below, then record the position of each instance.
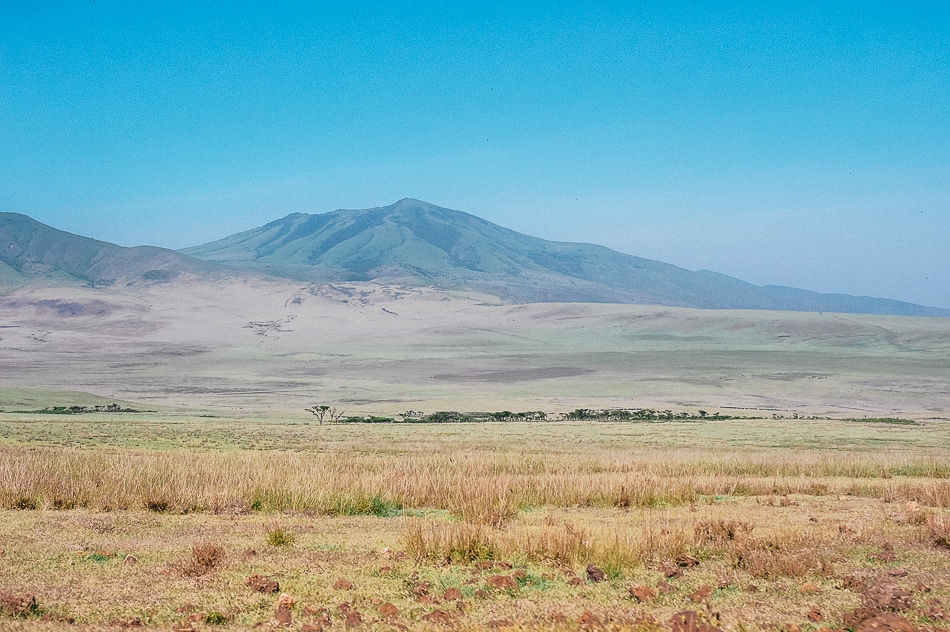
(790, 522)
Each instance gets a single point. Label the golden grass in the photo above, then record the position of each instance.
(777, 532)
(481, 487)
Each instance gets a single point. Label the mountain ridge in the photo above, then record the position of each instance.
(34, 251)
(415, 242)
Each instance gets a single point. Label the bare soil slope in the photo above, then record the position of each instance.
(272, 346)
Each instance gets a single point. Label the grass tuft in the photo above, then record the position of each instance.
(278, 535)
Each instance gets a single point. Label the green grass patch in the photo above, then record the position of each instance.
(885, 420)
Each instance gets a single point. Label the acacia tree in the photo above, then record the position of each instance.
(322, 412)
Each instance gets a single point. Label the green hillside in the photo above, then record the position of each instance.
(415, 242)
(34, 251)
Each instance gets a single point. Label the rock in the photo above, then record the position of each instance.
(670, 570)
(282, 613)
(594, 574)
(503, 582)
(702, 594)
(495, 624)
(665, 587)
(642, 594)
(690, 621)
(262, 584)
(886, 554)
(18, 605)
(809, 588)
(312, 627)
(451, 594)
(887, 596)
(504, 565)
(589, 619)
(438, 617)
(815, 615)
(686, 561)
(133, 622)
(353, 619)
(854, 618)
(321, 614)
(421, 589)
(131, 560)
(342, 584)
(886, 622)
(388, 610)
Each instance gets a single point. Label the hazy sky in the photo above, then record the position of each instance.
(803, 144)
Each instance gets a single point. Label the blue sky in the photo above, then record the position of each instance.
(803, 144)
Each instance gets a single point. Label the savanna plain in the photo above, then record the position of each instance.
(823, 502)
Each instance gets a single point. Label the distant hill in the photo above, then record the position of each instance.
(31, 251)
(415, 242)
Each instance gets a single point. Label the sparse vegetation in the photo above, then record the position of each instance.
(537, 524)
(279, 535)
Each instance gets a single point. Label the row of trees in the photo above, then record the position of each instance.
(580, 414)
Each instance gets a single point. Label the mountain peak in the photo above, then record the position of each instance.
(415, 242)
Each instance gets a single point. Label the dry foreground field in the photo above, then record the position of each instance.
(229, 507)
(196, 523)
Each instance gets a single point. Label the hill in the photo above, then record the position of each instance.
(33, 251)
(413, 242)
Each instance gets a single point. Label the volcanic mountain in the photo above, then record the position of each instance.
(31, 251)
(413, 242)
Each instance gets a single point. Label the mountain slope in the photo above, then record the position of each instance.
(416, 242)
(34, 251)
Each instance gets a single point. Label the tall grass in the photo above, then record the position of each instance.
(481, 487)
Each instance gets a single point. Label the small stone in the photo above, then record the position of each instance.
(702, 594)
(343, 584)
(262, 584)
(438, 617)
(642, 594)
(670, 570)
(665, 587)
(388, 610)
(353, 619)
(282, 613)
(503, 582)
(589, 619)
(887, 596)
(686, 561)
(815, 615)
(451, 594)
(595, 574)
(131, 560)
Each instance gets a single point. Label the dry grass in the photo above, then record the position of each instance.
(480, 487)
(775, 533)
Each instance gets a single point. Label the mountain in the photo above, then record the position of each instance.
(414, 242)
(33, 251)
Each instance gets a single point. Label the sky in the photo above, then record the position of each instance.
(789, 143)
